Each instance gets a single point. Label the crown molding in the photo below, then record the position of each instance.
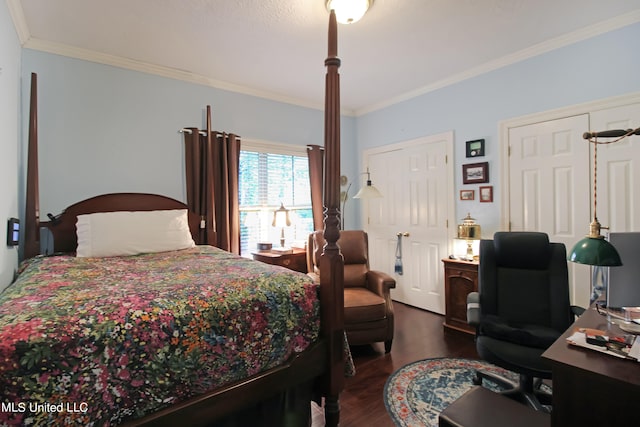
(19, 20)
(144, 67)
(24, 35)
(535, 50)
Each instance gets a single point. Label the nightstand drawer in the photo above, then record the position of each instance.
(460, 278)
(296, 260)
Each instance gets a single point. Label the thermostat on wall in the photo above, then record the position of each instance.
(475, 148)
(13, 232)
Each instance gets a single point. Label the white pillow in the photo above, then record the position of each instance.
(130, 233)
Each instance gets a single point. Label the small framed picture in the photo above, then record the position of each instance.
(467, 194)
(475, 173)
(486, 194)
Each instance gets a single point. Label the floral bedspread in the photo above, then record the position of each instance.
(99, 341)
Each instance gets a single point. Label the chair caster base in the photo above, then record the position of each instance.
(476, 380)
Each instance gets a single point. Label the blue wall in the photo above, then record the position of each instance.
(105, 129)
(600, 67)
(9, 139)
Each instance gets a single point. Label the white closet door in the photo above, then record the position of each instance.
(619, 170)
(416, 181)
(551, 181)
(549, 187)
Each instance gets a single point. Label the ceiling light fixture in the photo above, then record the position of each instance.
(349, 11)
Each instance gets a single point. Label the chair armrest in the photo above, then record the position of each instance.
(380, 282)
(473, 308)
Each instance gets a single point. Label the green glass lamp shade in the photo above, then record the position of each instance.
(595, 251)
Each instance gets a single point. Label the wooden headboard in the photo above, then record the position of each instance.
(63, 227)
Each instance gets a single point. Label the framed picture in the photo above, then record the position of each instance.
(467, 194)
(475, 173)
(486, 194)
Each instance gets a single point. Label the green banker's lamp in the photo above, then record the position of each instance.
(594, 249)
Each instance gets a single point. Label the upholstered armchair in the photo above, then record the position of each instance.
(368, 311)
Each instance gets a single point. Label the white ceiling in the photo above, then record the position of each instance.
(276, 48)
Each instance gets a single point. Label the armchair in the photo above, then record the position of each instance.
(520, 309)
(368, 310)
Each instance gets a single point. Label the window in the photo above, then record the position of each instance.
(270, 175)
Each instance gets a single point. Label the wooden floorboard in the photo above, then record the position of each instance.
(418, 335)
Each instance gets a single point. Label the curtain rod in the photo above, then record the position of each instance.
(189, 131)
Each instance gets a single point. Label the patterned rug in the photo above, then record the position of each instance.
(416, 393)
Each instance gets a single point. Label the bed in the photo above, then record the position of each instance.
(185, 334)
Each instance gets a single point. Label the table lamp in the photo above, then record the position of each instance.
(281, 219)
(469, 231)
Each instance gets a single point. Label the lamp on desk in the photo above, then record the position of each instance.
(281, 219)
(594, 249)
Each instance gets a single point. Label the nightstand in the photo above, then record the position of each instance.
(460, 278)
(296, 260)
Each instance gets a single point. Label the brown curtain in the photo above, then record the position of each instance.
(315, 153)
(212, 169)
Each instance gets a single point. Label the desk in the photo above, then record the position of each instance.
(590, 388)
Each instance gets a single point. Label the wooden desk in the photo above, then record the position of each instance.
(590, 388)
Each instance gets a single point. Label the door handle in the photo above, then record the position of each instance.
(405, 234)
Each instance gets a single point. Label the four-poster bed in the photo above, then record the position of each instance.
(316, 368)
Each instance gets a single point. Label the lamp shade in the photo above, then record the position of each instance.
(595, 251)
(469, 229)
(368, 192)
(281, 217)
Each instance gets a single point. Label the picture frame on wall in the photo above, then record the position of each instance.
(467, 194)
(486, 194)
(475, 173)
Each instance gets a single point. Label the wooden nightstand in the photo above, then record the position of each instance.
(296, 260)
(460, 278)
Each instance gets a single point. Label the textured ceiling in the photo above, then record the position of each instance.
(276, 48)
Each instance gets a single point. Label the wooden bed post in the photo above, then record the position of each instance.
(331, 261)
(32, 208)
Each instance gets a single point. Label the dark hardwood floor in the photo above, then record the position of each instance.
(418, 335)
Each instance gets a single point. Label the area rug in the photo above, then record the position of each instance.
(415, 394)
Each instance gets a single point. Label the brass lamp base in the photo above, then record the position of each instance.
(594, 229)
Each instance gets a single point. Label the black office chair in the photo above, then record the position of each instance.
(521, 308)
